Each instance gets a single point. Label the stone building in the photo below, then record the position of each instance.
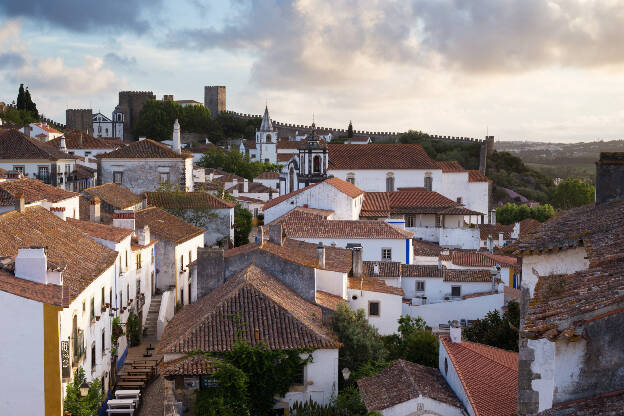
(214, 99)
(129, 108)
(79, 119)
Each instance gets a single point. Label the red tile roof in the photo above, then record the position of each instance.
(249, 200)
(379, 156)
(383, 204)
(49, 294)
(253, 187)
(489, 376)
(606, 404)
(166, 226)
(86, 260)
(46, 127)
(116, 196)
(15, 145)
(300, 225)
(425, 248)
(268, 175)
(476, 176)
(328, 300)
(192, 365)
(75, 139)
(477, 259)
(288, 144)
(285, 157)
(186, 200)
(373, 285)
(267, 311)
(419, 270)
(102, 231)
(345, 187)
(494, 229)
(450, 166)
(404, 381)
(325, 213)
(528, 226)
(467, 276)
(145, 149)
(33, 190)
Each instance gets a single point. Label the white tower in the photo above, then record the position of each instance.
(266, 139)
(176, 146)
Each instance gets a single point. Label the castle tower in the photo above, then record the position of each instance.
(313, 159)
(214, 98)
(130, 105)
(79, 119)
(266, 139)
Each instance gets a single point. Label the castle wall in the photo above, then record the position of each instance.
(130, 104)
(214, 98)
(79, 119)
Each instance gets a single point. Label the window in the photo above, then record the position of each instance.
(138, 261)
(92, 312)
(19, 169)
(438, 221)
(420, 286)
(445, 366)
(455, 291)
(126, 255)
(99, 129)
(152, 255)
(190, 257)
(182, 263)
(410, 221)
(386, 254)
(316, 164)
(87, 154)
(93, 361)
(106, 131)
(373, 308)
(84, 306)
(268, 138)
(389, 182)
(428, 181)
(459, 200)
(118, 177)
(299, 377)
(44, 172)
(110, 296)
(128, 293)
(351, 178)
(164, 177)
(103, 302)
(67, 170)
(120, 299)
(103, 341)
(266, 160)
(182, 296)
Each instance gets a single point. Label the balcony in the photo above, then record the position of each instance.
(79, 348)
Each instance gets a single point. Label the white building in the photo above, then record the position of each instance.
(41, 131)
(62, 203)
(253, 190)
(270, 179)
(77, 143)
(106, 127)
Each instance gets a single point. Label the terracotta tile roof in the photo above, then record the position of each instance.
(328, 300)
(345, 187)
(459, 211)
(268, 175)
(102, 231)
(467, 276)
(379, 156)
(192, 365)
(336, 259)
(47, 128)
(419, 270)
(383, 204)
(117, 196)
(285, 157)
(528, 226)
(606, 404)
(288, 144)
(249, 144)
(476, 176)
(489, 376)
(267, 311)
(208, 186)
(450, 166)
(477, 259)
(494, 229)
(86, 260)
(254, 188)
(325, 213)
(373, 285)
(85, 172)
(404, 381)
(385, 268)
(79, 140)
(425, 248)
(229, 177)
(303, 225)
(144, 149)
(49, 294)
(249, 200)
(15, 145)
(166, 226)
(186, 200)
(33, 190)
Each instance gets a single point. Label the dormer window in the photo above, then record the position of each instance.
(428, 181)
(351, 178)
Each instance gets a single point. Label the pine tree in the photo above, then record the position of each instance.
(30, 106)
(350, 130)
(21, 98)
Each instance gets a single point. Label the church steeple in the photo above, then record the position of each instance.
(266, 124)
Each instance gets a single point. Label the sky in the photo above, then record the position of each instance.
(548, 70)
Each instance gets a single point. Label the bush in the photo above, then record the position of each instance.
(228, 397)
(134, 329)
(573, 193)
(495, 329)
(512, 213)
(83, 406)
(413, 343)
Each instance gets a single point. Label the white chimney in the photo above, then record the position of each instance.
(177, 147)
(63, 145)
(246, 186)
(143, 235)
(142, 138)
(235, 192)
(376, 269)
(500, 239)
(456, 332)
(32, 264)
(94, 209)
(320, 249)
(124, 219)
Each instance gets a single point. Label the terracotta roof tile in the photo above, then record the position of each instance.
(117, 196)
(373, 285)
(192, 365)
(268, 175)
(86, 260)
(606, 404)
(303, 225)
(15, 145)
(254, 188)
(49, 294)
(288, 144)
(418, 270)
(529, 226)
(33, 190)
(345, 187)
(477, 259)
(102, 231)
(267, 311)
(325, 213)
(489, 376)
(241, 198)
(166, 226)
(425, 248)
(494, 230)
(379, 156)
(383, 204)
(328, 300)
(46, 127)
(79, 140)
(476, 176)
(450, 166)
(144, 149)
(467, 276)
(285, 157)
(384, 269)
(186, 200)
(404, 381)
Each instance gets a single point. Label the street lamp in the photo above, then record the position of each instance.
(346, 373)
(84, 388)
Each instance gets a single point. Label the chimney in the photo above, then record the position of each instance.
(32, 264)
(320, 250)
(456, 332)
(80, 141)
(144, 200)
(609, 177)
(59, 212)
(210, 270)
(94, 209)
(177, 146)
(124, 219)
(63, 145)
(260, 236)
(493, 216)
(246, 186)
(376, 269)
(235, 192)
(500, 239)
(356, 259)
(275, 234)
(20, 203)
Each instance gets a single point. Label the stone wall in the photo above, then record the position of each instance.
(130, 104)
(142, 175)
(214, 98)
(79, 119)
(610, 177)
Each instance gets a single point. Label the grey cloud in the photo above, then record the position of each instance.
(111, 59)
(480, 36)
(85, 16)
(11, 60)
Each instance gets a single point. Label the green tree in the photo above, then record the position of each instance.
(512, 213)
(572, 193)
(83, 406)
(196, 118)
(414, 342)
(233, 161)
(495, 329)
(350, 130)
(31, 107)
(133, 326)
(13, 116)
(228, 397)
(242, 225)
(361, 341)
(21, 98)
(156, 119)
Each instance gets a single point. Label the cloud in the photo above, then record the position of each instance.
(11, 60)
(111, 59)
(85, 16)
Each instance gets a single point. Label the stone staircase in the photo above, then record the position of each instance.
(152, 318)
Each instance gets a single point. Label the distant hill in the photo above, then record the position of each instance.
(563, 160)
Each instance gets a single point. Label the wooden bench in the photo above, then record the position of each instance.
(120, 411)
(131, 384)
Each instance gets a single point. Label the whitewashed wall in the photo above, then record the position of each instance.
(452, 378)
(389, 309)
(425, 406)
(374, 180)
(331, 282)
(477, 197)
(271, 183)
(182, 277)
(320, 379)
(371, 248)
(166, 312)
(563, 262)
(465, 238)
(436, 288)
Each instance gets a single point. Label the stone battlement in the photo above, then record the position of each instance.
(136, 92)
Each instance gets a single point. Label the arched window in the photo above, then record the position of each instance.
(75, 337)
(291, 178)
(268, 138)
(351, 178)
(428, 181)
(389, 182)
(316, 164)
